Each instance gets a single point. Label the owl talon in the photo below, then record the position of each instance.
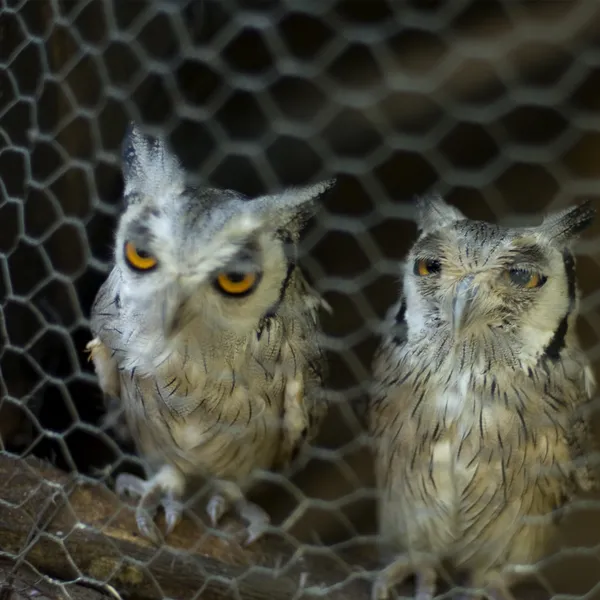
(255, 532)
(216, 508)
(258, 520)
(173, 511)
(151, 497)
(146, 525)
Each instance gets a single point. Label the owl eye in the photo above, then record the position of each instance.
(427, 266)
(138, 259)
(236, 284)
(525, 278)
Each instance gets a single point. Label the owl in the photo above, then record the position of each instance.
(478, 409)
(206, 332)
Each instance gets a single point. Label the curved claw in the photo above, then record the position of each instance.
(151, 497)
(216, 508)
(258, 520)
(146, 525)
(255, 532)
(173, 511)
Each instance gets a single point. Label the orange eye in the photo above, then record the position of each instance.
(236, 284)
(138, 259)
(426, 266)
(525, 279)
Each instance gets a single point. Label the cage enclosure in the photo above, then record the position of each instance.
(492, 104)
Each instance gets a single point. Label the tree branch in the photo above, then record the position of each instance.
(81, 531)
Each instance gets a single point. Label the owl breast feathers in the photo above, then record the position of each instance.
(206, 330)
(478, 414)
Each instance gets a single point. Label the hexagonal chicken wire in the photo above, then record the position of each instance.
(492, 103)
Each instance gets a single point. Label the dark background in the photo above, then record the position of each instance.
(494, 104)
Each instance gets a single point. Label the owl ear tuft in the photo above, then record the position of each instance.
(149, 165)
(292, 207)
(434, 212)
(564, 226)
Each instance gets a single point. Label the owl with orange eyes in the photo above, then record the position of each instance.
(206, 333)
(481, 402)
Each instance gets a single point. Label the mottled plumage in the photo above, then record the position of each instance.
(478, 413)
(206, 330)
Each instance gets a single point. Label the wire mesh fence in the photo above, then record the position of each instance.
(493, 104)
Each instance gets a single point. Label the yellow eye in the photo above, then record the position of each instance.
(525, 279)
(138, 259)
(236, 284)
(426, 266)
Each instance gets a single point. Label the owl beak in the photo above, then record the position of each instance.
(462, 303)
(172, 323)
(172, 312)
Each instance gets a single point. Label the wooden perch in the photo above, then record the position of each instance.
(80, 531)
(19, 582)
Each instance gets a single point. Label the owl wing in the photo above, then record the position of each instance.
(385, 362)
(316, 364)
(104, 317)
(583, 448)
(305, 402)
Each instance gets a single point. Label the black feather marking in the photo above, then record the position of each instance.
(460, 445)
(401, 314)
(528, 254)
(272, 312)
(249, 412)
(573, 222)
(174, 389)
(417, 404)
(523, 428)
(400, 320)
(431, 473)
(557, 343)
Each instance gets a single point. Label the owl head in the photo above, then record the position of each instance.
(468, 279)
(186, 253)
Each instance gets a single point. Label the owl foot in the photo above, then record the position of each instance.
(152, 494)
(402, 568)
(258, 520)
(231, 496)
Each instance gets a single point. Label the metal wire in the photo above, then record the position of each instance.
(493, 104)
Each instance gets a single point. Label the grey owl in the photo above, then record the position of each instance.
(478, 411)
(206, 332)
